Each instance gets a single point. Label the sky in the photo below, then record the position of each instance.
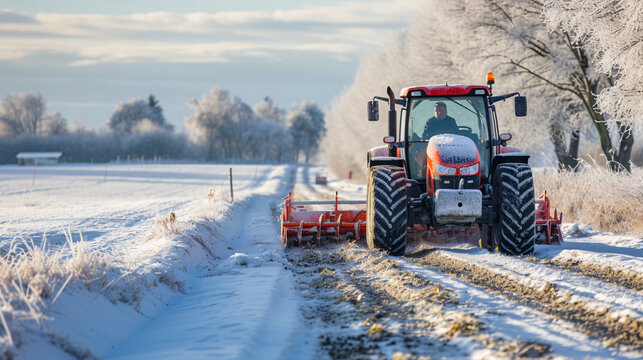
(85, 57)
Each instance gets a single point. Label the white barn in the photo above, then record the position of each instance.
(42, 158)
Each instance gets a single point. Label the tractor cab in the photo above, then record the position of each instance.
(430, 117)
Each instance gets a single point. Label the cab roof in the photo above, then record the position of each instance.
(444, 90)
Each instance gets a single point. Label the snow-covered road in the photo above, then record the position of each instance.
(238, 311)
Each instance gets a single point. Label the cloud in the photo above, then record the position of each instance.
(341, 30)
(9, 17)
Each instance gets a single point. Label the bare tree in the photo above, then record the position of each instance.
(613, 32)
(54, 124)
(549, 57)
(21, 114)
(307, 126)
(268, 136)
(267, 141)
(218, 122)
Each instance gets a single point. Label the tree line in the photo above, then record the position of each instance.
(221, 128)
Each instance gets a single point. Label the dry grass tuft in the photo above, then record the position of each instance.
(165, 225)
(596, 196)
(219, 194)
(33, 277)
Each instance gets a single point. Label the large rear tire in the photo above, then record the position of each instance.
(386, 215)
(513, 192)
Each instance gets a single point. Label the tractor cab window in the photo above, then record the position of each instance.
(460, 115)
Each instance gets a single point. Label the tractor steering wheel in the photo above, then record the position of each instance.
(468, 132)
(466, 129)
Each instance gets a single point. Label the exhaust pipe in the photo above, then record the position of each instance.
(392, 116)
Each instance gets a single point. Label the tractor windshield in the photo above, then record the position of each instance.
(460, 115)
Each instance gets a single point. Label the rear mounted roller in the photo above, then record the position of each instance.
(299, 225)
(547, 227)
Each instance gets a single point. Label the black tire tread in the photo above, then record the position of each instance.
(515, 233)
(386, 210)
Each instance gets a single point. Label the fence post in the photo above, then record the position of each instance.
(231, 190)
(33, 181)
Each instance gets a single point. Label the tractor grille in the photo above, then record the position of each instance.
(453, 182)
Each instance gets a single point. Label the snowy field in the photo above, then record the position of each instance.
(149, 261)
(156, 269)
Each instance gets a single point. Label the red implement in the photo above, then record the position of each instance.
(547, 227)
(299, 223)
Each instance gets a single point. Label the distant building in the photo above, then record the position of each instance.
(43, 158)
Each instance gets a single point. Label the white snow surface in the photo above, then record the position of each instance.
(239, 305)
(242, 303)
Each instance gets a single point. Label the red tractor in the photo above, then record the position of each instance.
(445, 167)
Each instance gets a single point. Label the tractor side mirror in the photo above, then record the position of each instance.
(373, 111)
(505, 136)
(520, 103)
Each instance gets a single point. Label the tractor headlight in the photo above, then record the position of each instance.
(443, 170)
(470, 170)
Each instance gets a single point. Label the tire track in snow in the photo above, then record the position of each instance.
(624, 332)
(531, 272)
(369, 305)
(598, 272)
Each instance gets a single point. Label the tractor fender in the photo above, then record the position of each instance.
(508, 149)
(509, 157)
(386, 160)
(376, 152)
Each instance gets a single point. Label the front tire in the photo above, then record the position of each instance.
(513, 192)
(386, 215)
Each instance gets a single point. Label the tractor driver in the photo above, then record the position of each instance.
(441, 123)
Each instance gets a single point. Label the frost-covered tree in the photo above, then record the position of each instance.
(218, 122)
(267, 137)
(267, 141)
(129, 114)
(548, 57)
(267, 109)
(307, 126)
(21, 114)
(54, 124)
(613, 33)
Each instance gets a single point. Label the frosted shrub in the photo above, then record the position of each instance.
(596, 196)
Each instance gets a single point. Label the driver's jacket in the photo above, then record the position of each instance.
(437, 127)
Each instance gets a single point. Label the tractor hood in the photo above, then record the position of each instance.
(452, 149)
